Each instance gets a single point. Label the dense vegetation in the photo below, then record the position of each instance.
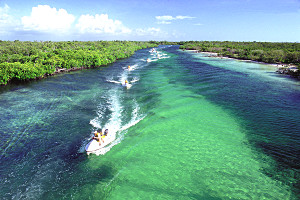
(268, 52)
(30, 60)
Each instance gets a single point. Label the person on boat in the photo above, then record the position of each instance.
(97, 136)
(126, 83)
(105, 132)
(103, 135)
(128, 67)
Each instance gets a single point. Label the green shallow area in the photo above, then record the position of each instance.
(257, 70)
(188, 148)
(188, 128)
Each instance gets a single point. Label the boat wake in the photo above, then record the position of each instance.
(156, 55)
(131, 67)
(122, 80)
(112, 115)
(116, 124)
(112, 81)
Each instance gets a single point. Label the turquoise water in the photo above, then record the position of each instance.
(190, 127)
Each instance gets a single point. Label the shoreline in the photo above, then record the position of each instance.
(60, 57)
(56, 72)
(288, 69)
(213, 54)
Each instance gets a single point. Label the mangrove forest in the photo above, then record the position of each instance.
(20, 61)
(24, 60)
(268, 52)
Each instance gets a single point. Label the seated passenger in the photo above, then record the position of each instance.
(106, 132)
(97, 136)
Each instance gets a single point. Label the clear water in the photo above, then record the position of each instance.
(190, 127)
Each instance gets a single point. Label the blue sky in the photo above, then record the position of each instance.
(176, 20)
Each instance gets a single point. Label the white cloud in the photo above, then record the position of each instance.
(44, 18)
(198, 24)
(6, 20)
(164, 22)
(49, 23)
(184, 17)
(100, 24)
(166, 19)
(149, 31)
(4, 13)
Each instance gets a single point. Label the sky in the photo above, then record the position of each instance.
(140, 20)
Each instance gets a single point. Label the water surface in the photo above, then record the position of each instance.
(190, 127)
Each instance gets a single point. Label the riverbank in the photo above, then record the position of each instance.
(281, 68)
(274, 53)
(23, 61)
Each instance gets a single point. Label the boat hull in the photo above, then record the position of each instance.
(93, 146)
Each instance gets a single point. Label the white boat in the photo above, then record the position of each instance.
(128, 86)
(93, 146)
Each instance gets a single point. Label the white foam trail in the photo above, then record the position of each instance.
(112, 81)
(115, 107)
(122, 80)
(115, 126)
(151, 60)
(100, 114)
(135, 79)
(114, 123)
(136, 117)
(132, 67)
(132, 123)
(121, 132)
(124, 76)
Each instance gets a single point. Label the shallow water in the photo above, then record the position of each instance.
(190, 127)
